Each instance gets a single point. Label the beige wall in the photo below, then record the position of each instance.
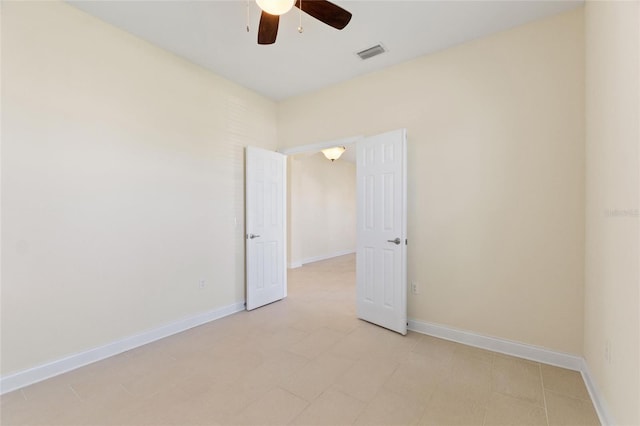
(612, 295)
(496, 175)
(122, 170)
(322, 212)
(122, 179)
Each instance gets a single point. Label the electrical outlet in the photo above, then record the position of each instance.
(607, 351)
(414, 287)
(201, 284)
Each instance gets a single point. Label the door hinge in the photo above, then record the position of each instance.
(406, 242)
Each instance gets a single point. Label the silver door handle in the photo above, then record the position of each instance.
(396, 241)
(252, 236)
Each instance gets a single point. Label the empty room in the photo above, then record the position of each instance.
(319, 212)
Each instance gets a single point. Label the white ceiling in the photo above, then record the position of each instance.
(213, 35)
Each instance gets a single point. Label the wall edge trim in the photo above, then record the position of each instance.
(316, 147)
(54, 368)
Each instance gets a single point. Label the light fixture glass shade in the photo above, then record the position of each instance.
(333, 153)
(276, 7)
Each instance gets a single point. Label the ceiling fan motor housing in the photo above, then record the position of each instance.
(323, 10)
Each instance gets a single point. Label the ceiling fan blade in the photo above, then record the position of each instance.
(268, 29)
(326, 12)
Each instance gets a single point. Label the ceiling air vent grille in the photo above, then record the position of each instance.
(371, 52)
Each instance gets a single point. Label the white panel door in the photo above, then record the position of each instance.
(381, 235)
(265, 192)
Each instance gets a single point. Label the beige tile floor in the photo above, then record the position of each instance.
(305, 360)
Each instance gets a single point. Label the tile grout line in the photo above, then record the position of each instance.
(306, 407)
(486, 404)
(486, 408)
(544, 394)
(126, 390)
(75, 393)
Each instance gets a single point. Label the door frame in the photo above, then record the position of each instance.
(315, 147)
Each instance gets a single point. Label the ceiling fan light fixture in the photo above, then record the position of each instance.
(276, 7)
(333, 153)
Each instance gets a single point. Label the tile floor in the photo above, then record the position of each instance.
(305, 360)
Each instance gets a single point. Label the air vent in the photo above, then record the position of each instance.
(371, 52)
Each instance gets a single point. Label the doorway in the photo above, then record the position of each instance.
(321, 210)
(381, 296)
(316, 186)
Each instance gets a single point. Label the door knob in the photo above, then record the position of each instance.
(252, 236)
(396, 241)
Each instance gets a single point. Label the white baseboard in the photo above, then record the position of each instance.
(319, 258)
(63, 365)
(521, 350)
(598, 401)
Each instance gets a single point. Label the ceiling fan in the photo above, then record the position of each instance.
(322, 10)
